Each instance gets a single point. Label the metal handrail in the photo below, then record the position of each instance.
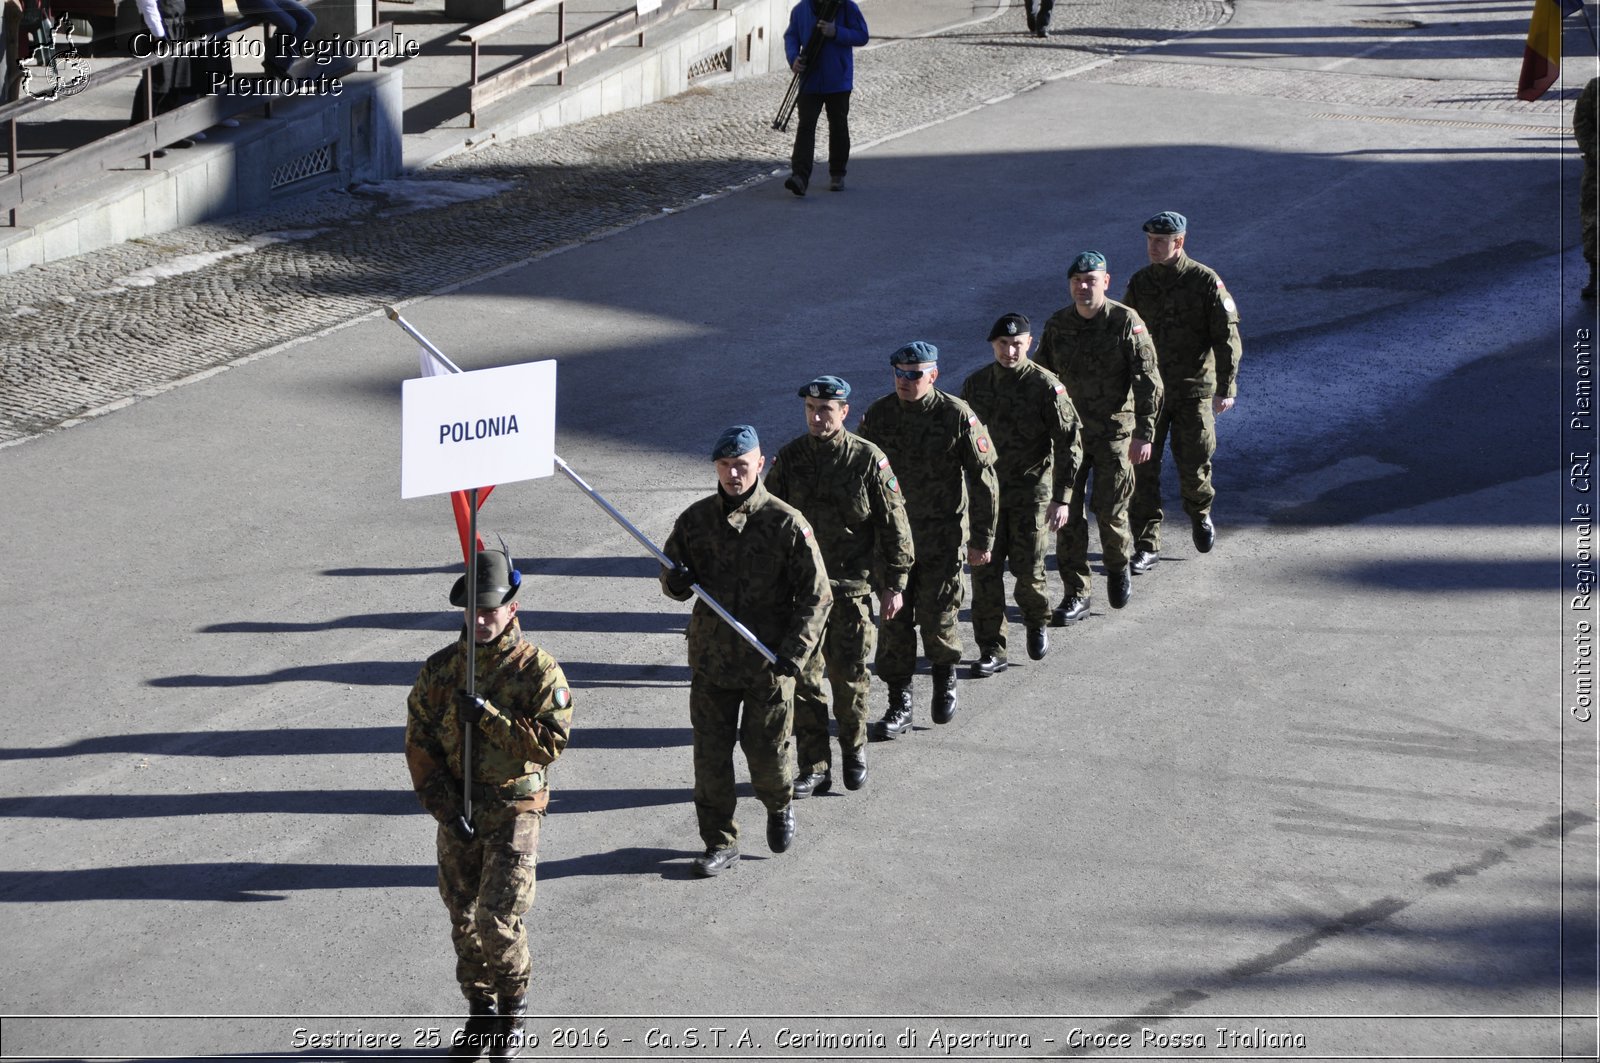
(559, 56)
(143, 138)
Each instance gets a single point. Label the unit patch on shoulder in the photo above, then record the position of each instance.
(563, 697)
(1228, 304)
(894, 484)
(983, 444)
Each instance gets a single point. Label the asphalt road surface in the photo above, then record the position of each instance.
(1317, 793)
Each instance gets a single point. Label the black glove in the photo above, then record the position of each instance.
(786, 668)
(680, 579)
(460, 829)
(469, 707)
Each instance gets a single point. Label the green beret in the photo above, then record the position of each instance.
(1009, 325)
(1088, 262)
(915, 353)
(827, 387)
(1167, 223)
(740, 439)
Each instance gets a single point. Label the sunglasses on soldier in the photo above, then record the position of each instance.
(910, 374)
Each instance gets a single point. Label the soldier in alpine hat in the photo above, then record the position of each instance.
(518, 715)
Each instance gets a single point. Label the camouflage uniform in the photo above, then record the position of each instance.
(845, 487)
(1585, 132)
(1195, 326)
(1108, 364)
(1035, 431)
(488, 883)
(759, 561)
(945, 463)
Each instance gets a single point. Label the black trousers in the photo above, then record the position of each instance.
(1039, 12)
(170, 80)
(805, 137)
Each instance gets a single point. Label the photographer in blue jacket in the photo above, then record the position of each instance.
(828, 79)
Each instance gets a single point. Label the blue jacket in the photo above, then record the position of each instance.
(834, 69)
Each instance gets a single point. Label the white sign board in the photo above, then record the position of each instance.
(477, 429)
(644, 7)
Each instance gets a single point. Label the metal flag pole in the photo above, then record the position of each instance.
(699, 592)
(599, 500)
(472, 651)
(394, 315)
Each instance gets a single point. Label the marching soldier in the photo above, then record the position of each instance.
(1103, 354)
(1195, 326)
(845, 488)
(756, 556)
(1035, 433)
(945, 463)
(520, 714)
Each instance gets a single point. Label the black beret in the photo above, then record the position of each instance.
(1009, 325)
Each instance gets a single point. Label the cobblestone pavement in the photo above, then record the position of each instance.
(105, 328)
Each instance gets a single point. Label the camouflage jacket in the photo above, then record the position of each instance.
(944, 459)
(1108, 364)
(523, 729)
(760, 562)
(846, 489)
(1195, 326)
(1034, 425)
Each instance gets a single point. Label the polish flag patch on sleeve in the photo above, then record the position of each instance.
(1138, 329)
(1061, 389)
(973, 420)
(883, 463)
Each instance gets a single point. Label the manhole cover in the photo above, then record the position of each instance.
(1389, 23)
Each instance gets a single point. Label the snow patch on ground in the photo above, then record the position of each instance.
(182, 264)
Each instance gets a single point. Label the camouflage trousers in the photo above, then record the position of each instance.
(1192, 428)
(846, 647)
(487, 885)
(1588, 193)
(1019, 539)
(933, 604)
(1106, 456)
(764, 731)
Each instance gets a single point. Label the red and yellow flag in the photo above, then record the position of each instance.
(1541, 58)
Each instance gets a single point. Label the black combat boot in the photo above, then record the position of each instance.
(473, 1040)
(944, 693)
(855, 768)
(991, 661)
(810, 782)
(508, 1039)
(1119, 587)
(897, 721)
(780, 829)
